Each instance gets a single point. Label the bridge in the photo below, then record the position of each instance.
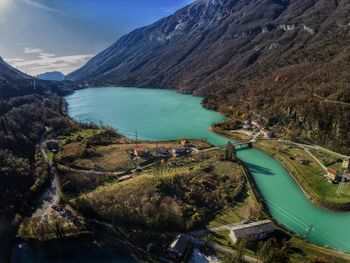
(240, 145)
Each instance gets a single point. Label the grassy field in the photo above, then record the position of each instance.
(77, 151)
(297, 249)
(308, 173)
(301, 251)
(221, 237)
(328, 159)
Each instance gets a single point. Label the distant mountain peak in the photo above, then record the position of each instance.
(53, 76)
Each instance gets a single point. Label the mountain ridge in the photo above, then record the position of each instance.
(274, 55)
(8, 72)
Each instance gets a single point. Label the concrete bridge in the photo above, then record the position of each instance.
(240, 145)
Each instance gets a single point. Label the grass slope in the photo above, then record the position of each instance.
(309, 174)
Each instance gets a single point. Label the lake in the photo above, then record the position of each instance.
(164, 114)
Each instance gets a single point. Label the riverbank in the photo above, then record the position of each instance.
(308, 174)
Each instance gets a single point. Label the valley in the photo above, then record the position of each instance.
(103, 186)
(219, 132)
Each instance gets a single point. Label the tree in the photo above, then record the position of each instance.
(241, 248)
(270, 252)
(230, 152)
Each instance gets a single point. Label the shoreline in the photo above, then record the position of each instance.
(332, 207)
(325, 206)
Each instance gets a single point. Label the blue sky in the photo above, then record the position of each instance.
(44, 35)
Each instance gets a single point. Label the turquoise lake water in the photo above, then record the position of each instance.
(165, 114)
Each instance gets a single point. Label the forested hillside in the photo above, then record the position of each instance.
(28, 108)
(285, 59)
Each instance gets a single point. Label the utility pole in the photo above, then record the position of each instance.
(136, 137)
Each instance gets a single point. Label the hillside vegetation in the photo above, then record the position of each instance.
(27, 111)
(286, 60)
(167, 199)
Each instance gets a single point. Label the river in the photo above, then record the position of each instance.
(164, 114)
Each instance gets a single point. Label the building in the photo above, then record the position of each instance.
(257, 230)
(332, 174)
(163, 153)
(142, 153)
(52, 145)
(179, 247)
(182, 151)
(346, 164)
(186, 143)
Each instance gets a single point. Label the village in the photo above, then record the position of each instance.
(162, 153)
(137, 156)
(185, 247)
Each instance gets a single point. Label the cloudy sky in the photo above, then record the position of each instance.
(45, 35)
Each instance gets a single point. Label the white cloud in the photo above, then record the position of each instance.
(49, 62)
(28, 50)
(14, 60)
(42, 6)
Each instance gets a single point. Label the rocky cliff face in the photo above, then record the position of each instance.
(271, 54)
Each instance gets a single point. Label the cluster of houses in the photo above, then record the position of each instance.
(250, 125)
(336, 176)
(163, 153)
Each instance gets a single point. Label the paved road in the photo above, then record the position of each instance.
(214, 229)
(102, 172)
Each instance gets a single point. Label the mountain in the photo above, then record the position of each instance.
(9, 73)
(54, 76)
(285, 59)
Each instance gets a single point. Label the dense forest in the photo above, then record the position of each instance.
(27, 111)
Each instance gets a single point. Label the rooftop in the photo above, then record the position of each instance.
(180, 244)
(254, 228)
